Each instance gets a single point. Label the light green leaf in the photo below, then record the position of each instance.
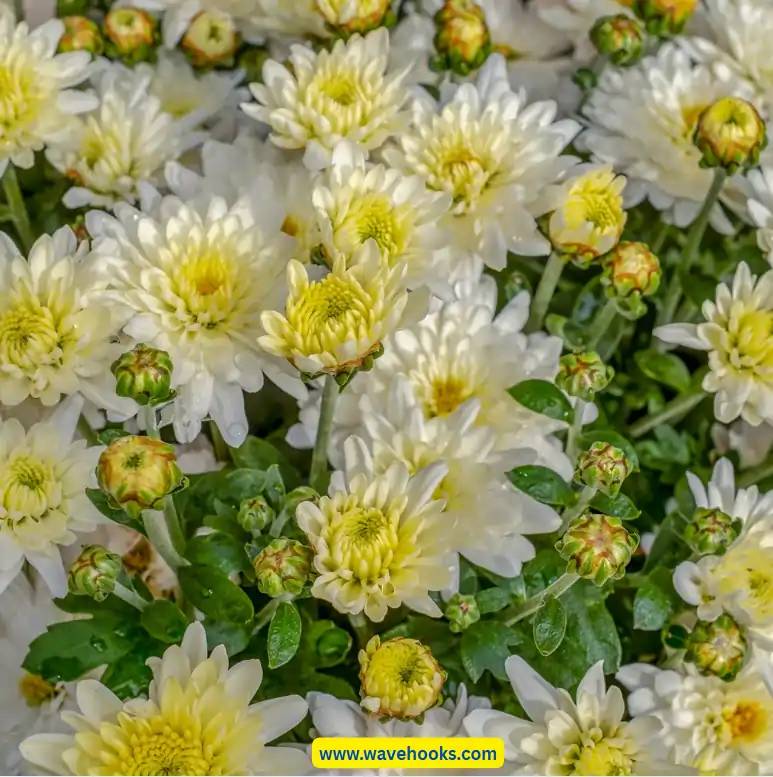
(284, 635)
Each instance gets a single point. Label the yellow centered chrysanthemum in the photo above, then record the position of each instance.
(37, 691)
(461, 166)
(601, 757)
(730, 133)
(745, 574)
(399, 678)
(749, 342)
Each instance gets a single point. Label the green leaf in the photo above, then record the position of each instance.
(432, 632)
(698, 288)
(99, 500)
(543, 484)
(129, 677)
(164, 620)
(326, 683)
(669, 548)
(613, 438)
(544, 398)
(233, 636)
(227, 524)
(241, 484)
(284, 635)
(255, 453)
(325, 644)
(549, 626)
(618, 506)
(666, 368)
(106, 436)
(210, 591)
(667, 449)
(655, 601)
(120, 610)
(274, 489)
(485, 645)
(220, 550)
(493, 600)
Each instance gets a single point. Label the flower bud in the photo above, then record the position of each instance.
(81, 34)
(730, 134)
(283, 567)
(717, 648)
(583, 375)
(462, 40)
(585, 78)
(298, 495)
(94, 573)
(361, 16)
(399, 678)
(255, 514)
(144, 374)
(631, 272)
(664, 17)
(462, 611)
(604, 467)
(597, 547)
(710, 531)
(131, 35)
(251, 61)
(620, 38)
(211, 39)
(136, 473)
(515, 283)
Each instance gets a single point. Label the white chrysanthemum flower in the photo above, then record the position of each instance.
(358, 202)
(333, 717)
(36, 102)
(494, 154)
(127, 140)
(661, 99)
(379, 540)
(290, 19)
(736, 333)
(53, 342)
(760, 207)
(586, 737)
(344, 94)
(197, 720)
(28, 703)
(712, 725)
(197, 276)
(338, 321)
(43, 502)
(751, 443)
(486, 516)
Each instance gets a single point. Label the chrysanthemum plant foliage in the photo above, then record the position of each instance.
(358, 377)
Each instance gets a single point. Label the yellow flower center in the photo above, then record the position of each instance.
(22, 95)
(750, 344)
(463, 174)
(601, 758)
(446, 395)
(37, 691)
(28, 489)
(31, 337)
(747, 721)
(131, 25)
(748, 570)
(340, 89)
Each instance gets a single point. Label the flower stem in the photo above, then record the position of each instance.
(577, 508)
(262, 617)
(575, 429)
(545, 290)
(361, 627)
(130, 597)
(601, 323)
(660, 238)
(222, 451)
(754, 475)
(324, 430)
(158, 534)
(530, 606)
(679, 406)
(149, 419)
(15, 200)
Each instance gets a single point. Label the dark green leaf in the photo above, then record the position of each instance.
(493, 600)
(164, 620)
(227, 524)
(233, 636)
(106, 436)
(549, 626)
(666, 368)
(698, 288)
(129, 677)
(655, 601)
(284, 635)
(210, 591)
(120, 610)
(241, 484)
(219, 550)
(255, 453)
(669, 548)
(431, 631)
(543, 484)
(274, 490)
(669, 448)
(485, 645)
(468, 578)
(618, 506)
(325, 645)
(326, 683)
(544, 398)
(613, 438)
(99, 500)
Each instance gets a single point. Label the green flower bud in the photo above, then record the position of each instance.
(255, 514)
(711, 532)
(251, 61)
(717, 648)
(81, 34)
(144, 374)
(360, 17)
(136, 473)
(462, 611)
(631, 272)
(603, 467)
(619, 38)
(664, 17)
(283, 567)
(730, 134)
(583, 375)
(515, 283)
(597, 547)
(211, 40)
(462, 40)
(94, 573)
(298, 495)
(131, 35)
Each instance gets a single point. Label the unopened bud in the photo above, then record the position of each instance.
(136, 473)
(710, 531)
(255, 514)
(81, 34)
(462, 611)
(94, 573)
(360, 16)
(298, 495)
(730, 133)
(399, 678)
(583, 375)
(462, 40)
(283, 567)
(131, 35)
(211, 39)
(664, 17)
(603, 467)
(144, 374)
(597, 547)
(619, 38)
(717, 648)
(631, 272)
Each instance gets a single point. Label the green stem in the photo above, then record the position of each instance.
(545, 290)
(756, 474)
(324, 430)
(530, 606)
(264, 616)
(600, 324)
(15, 200)
(587, 493)
(158, 534)
(149, 418)
(660, 238)
(677, 407)
(173, 526)
(361, 627)
(575, 429)
(222, 451)
(130, 597)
